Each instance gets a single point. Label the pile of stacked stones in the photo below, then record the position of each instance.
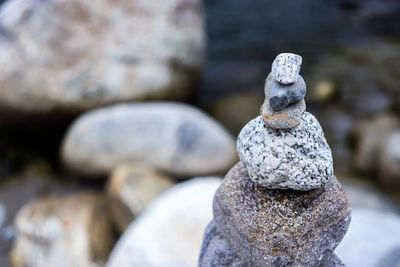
(280, 205)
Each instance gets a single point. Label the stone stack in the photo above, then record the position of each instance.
(280, 205)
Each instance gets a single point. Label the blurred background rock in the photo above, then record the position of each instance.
(68, 61)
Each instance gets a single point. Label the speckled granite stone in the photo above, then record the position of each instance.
(297, 158)
(286, 68)
(281, 96)
(280, 227)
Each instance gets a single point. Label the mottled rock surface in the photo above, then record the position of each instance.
(281, 96)
(63, 231)
(131, 189)
(172, 137)
(170, 231)
(371, 239)
(287, 118)
(297, 158)
(389, 166)
(286, 68)
(73, 55)
(280, 227)
(215, 250)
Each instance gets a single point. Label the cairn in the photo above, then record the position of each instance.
(280, 205)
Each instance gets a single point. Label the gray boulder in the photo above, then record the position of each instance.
(372, 239)
(175, 138)
(169, 232)
(280, 227)
(297, 158)
(72, 55)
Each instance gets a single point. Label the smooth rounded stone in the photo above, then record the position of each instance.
(3, 214)
(280, 227)
(287, 118)
(286, 68)
(131, 189)
(389, 165)
(215, 250)
(169, 232)
(63, 231)
(371, 240)
(298, 159)
(72, 55)
(370, 136)
(175, 138)
(281, 96)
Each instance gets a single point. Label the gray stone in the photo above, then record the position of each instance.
(72, 55)
(280, 227)
(169, 232)
(286, 68)
(372, 237)
(297, 158)
(281, 96)
(172, 137)
(3, 214)
(332, 261)
(63, 231)
(131, 189)
(215, 250)
(389, 167)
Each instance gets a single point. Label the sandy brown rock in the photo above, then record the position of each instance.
(280, 227)
(63, 231)
(131, 189)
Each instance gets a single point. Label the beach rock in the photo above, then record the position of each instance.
(3, 214)
(131, 189)
(389, 167)
(371, 135)
(281, 96)
(175, 138)
(280, 227)
(371, 239)
(63, 231)
(286, 68)
(169, 232)
(287, 118)
(73, 55)
(298, 158)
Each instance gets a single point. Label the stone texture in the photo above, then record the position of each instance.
(281, 96)
(280, 228)
(298, 158)
(169, 232)
(371, 135)
(372, 236)
(73, 55)
(332, 261)
(131, 189)
(215, 250)
(286, 68)
(389, 166)
(63, 231)
(175, 138)
(287, 118)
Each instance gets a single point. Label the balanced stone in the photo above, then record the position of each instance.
(268, 227)
(281, 96)
(297, 158)
(287, 118)
(286, 68)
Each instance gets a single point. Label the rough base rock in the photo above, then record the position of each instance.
(297, 158)
(280, 227)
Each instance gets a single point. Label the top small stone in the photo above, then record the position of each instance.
(286, 68)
